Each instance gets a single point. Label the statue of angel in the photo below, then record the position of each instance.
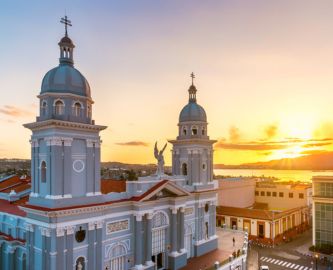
(160, 159)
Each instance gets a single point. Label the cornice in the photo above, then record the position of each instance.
(52, 123)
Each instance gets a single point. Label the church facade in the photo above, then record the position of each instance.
(159, 222)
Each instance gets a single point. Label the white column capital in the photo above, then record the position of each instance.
(92, 143)
(173, 210)
(29, 227)
(45, 231)
(34, 143)
(60, 231)
(91, 226)
(138, 216)
(70, 229)
(99, 224)
(67, 141)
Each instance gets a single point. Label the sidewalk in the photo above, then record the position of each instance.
(252, 259)
(225, 249)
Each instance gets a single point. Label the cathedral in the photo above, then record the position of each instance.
(67, 222)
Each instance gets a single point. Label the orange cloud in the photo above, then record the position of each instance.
(133, 143)
(234, 134)
(271, 131)
(313, 152)
(250, 146)
(14, 111)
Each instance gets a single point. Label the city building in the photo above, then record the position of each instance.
(263, 203)
(72, 220)
(283, 196)
(259, 223)
(229, 190)
(322, 224)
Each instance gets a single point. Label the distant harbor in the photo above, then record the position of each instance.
(280, 175)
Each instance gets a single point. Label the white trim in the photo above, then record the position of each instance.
(115, 221)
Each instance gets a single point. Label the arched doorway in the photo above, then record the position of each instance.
(160, 223)
(80, 264)
(188, 241)
(118, 257)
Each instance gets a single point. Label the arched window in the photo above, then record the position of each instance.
(194, 130)
(59, 107)
(77, 109)
(184, 131)
(118, 257)
(89, 111)
(160, 223)
(184, 169)
(80, 264)
(203, 131)
(44, 108)
(43, 171)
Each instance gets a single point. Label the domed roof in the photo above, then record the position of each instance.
(192, 112)
(66, 39)
(65, 79)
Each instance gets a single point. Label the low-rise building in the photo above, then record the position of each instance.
(283, 196)
(322, 210)
(230, 189)
(259, 223)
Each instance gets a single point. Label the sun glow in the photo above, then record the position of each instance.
(291, 152)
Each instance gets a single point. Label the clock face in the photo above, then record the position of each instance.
(78, 165)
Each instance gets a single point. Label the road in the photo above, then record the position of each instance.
(284, 256)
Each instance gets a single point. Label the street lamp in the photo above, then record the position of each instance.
(316, 256)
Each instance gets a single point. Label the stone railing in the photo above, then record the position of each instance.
(236, 261)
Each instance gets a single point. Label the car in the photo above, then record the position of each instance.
(264, 267)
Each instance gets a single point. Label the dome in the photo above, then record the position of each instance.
(65, 79)
(66, 39)
(192, 112)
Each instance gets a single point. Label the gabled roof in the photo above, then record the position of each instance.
(167, 188)
(162, 185)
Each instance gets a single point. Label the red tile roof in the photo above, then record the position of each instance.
(252, 213)
(11, 208)
(15, 183)
(109, 185)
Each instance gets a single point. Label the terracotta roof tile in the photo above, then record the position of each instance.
(11, 208)
(109, 185)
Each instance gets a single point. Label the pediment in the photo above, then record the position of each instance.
(167, 190)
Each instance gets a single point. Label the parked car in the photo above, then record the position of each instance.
(264, 267)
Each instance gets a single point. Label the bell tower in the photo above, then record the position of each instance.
(192, 153)
(65, 142)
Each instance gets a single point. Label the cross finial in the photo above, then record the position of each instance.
(66, 22)
(192, 76)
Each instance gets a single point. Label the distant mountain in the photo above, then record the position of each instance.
(322, 161)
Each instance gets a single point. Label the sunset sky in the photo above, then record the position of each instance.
(264, 72)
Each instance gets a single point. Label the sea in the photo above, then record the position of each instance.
(278, 175)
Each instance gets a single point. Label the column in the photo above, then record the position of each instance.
(149, 217)
(91, 245)
(214, 219)
(174, 230)
(30, 245)
(99, 236)
(138, 243)
(11, 262)
(181, 229)
(60, 234)
(69, 245)
(67, 166)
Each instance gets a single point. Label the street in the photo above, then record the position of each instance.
(284, 256)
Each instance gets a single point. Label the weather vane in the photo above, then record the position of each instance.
(192, 76)
(66, 22)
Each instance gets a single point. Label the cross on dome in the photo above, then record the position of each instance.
(66, 22)
(192, 76)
